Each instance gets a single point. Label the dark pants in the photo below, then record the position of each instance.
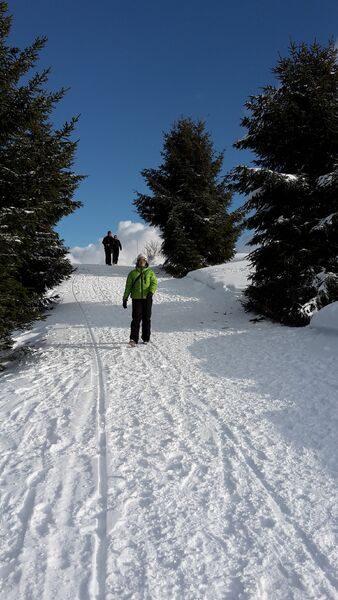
(108, 256)
(141, 312)
(115, 256)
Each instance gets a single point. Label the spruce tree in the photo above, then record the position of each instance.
(189, 202)
(36, 185)
(292, 201)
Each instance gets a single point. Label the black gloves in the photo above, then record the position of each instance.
(150, 294)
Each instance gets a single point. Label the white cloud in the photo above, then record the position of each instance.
(90, 254)
(133, 237)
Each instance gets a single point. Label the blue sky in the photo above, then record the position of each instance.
(135, 66)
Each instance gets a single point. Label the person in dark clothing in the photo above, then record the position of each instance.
(117, 246)
(108, 243)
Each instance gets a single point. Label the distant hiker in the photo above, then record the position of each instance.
(108, 243)
(141, 285)
(116, 249)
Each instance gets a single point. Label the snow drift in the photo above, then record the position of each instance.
(326, 318)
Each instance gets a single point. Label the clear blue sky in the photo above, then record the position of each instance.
(135, 66)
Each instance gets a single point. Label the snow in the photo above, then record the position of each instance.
(326, 318)
(326, 221)
(255, 193)
(230, 276)
(290, 177)
(202, 466)
(325, 180)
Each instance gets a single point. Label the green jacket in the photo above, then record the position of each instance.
(145, 282)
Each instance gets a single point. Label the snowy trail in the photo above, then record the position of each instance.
(100, 553)
(202, 466)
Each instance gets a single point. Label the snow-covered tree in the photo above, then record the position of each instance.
(189, 202)
(36, 184)
(153, 251)
(292, 191)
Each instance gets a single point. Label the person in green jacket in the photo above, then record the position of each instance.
(141, 285)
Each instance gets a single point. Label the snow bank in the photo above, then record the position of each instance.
(326, 318)
(229, 276)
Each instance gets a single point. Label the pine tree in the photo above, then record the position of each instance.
(292, 191)
(189, 204)
(36, 185)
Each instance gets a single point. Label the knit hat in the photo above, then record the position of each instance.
(141, 256)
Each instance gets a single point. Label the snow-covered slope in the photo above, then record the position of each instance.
(202, 466)
(326, 318)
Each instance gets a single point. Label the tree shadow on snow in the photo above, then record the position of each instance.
(166, 316)
(293, 369)
(112, 270)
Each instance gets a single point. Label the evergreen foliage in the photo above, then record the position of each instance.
(189, 203)
(292, 202)
(36, 185)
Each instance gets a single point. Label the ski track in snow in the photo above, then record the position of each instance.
(202, 466)
(99, 559)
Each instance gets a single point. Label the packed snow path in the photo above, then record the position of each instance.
(202, 466)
